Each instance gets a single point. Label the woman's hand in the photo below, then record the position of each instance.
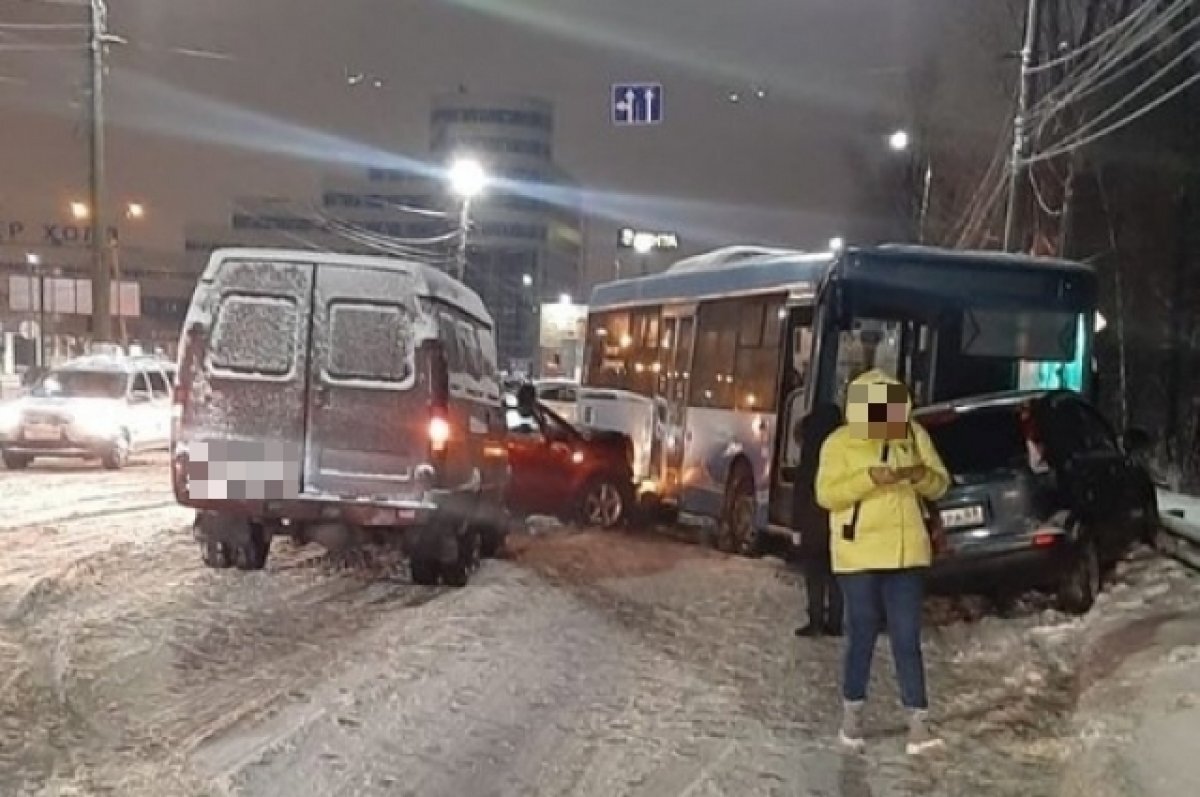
(884, 476)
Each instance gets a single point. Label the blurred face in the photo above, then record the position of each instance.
(878, 412)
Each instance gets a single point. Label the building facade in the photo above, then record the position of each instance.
(525, 239)
(46, 294)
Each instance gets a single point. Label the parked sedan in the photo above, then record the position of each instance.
(565, 471)
(1045, 495)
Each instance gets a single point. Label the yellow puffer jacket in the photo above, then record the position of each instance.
(890, 533)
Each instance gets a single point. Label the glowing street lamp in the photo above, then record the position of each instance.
(80, 211)
(837, 244)
(468, 179)
(899, 141)
(136, 211)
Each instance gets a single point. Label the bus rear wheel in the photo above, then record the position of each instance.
(736, 533)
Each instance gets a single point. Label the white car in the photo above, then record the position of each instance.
(561, 396)
(101, 408)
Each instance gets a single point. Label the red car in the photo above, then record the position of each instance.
(575, 474)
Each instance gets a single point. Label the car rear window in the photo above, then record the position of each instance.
(370, 341)
(981, 441)
(255, 335)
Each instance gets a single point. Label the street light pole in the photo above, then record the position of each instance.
(464, 230)
(467, 180)
(101, 279)
(925, 195)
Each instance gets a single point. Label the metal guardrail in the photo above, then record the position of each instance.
(1179, 520)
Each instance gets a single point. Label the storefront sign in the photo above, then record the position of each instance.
(48, 233)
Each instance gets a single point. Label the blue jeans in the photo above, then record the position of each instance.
(872, 598)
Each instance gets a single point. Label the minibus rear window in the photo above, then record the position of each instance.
(255, 335)
(370, 341)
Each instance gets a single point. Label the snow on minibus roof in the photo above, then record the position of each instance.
(720, 273)
(429, 281)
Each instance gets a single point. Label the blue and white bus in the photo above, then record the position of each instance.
(711, 364)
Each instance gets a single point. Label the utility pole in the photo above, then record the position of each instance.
(464, 230)
(1020, 151)
(101, 277)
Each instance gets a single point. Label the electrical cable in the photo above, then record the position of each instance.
(1102, 37)
(1112, 128)
(1085, 89)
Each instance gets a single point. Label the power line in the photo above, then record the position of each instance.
(1091, 79)
(1041, 200)
(1133, 117)
(1086, 91)
(376, 241)
(391, 239)
(1097, 40)
(1140, 89)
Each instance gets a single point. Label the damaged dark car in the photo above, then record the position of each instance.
(1045, 496)
(559, 469)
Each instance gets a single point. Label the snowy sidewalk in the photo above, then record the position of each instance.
(1138, 718)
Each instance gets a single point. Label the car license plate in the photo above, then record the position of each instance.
(42, 432)
(962, 516)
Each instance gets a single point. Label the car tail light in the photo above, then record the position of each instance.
(1044, 539)
(439, 434)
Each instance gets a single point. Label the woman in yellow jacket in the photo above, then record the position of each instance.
(873, 475)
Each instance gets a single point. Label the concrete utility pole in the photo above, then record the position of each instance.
(1020, 151)
(101, 277)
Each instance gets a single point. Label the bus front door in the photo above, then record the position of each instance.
(679, 326)
(792, 404)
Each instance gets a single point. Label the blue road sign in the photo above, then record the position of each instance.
(637, 104)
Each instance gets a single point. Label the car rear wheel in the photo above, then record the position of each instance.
(14, 461)
(736, 533)
(117, 455)
(1081, 584)
(603, 504)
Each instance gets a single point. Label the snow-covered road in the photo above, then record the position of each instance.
(586, 664)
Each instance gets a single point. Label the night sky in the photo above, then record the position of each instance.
(261, 105)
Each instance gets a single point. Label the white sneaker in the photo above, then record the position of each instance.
(851, 734)
(920, 739)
